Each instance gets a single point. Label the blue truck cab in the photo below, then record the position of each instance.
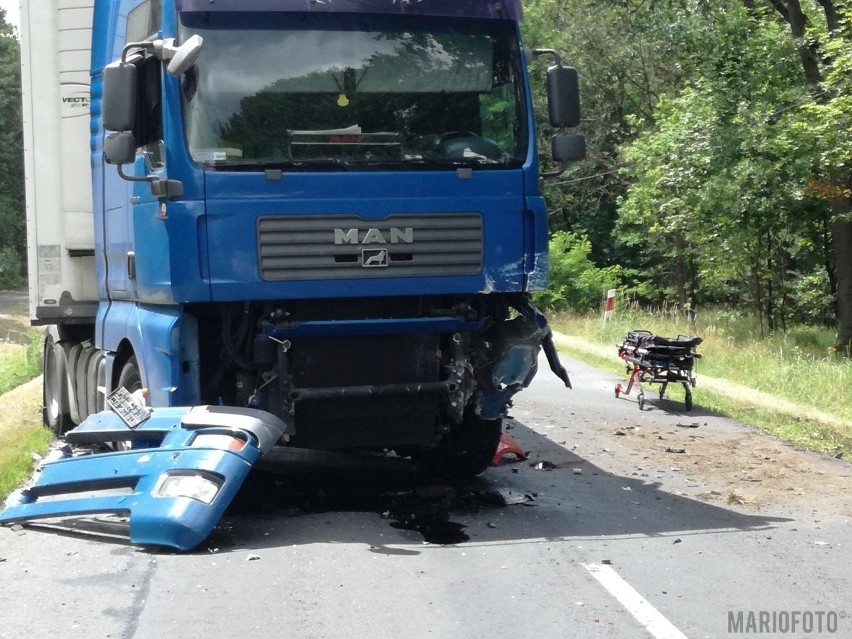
(327, 211)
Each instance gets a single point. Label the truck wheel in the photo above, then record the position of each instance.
(467, 450)
(54, 389)
(131, 379)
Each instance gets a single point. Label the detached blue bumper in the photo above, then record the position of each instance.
(175, 489)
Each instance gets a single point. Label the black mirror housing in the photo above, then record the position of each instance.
(119, 97)
(563, 96)
(120, 148)
(568, 147)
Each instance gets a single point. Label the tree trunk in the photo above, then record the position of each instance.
(680, 270)
(842, 233)
(791, 11)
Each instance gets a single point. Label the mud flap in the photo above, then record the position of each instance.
(174, 489)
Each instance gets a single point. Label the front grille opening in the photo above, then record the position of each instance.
(401, 257)
(346, 259)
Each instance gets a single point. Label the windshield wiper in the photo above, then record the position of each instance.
(284, 165)
(437, 163)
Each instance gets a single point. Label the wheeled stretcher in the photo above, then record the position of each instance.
(651, 359)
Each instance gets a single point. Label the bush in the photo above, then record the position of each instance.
(10, 269)
(575, 282)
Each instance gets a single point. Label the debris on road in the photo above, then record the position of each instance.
(678, 451)
(544, 465)
(508, 497)
(507, 446)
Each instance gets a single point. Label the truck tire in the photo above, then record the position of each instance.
(467, 450)
(130, 377)
(55, 413)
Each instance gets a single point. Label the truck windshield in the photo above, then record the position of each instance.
(317, 93)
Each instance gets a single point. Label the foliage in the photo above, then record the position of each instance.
(575, 281)
(12, 219)
(713, 158)
(10, 269)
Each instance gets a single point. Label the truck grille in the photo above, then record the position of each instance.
(321, 247)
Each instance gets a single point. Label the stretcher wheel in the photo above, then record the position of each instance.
(687, 402)
(641, 399)
(617, 392)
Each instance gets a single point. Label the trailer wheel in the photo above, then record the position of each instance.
(467, 450)
(55, 414)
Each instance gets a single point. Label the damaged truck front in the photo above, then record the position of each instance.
(322, 220)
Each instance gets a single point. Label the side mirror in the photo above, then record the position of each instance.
(568, 147)
(185, 56)
(120, 148)
(119, 97)
(563, 96)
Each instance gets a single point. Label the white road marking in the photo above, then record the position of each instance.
(651, 618)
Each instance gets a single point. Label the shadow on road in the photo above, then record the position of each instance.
(562, 497)
(558, 495)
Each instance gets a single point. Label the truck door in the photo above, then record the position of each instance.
(130, 204)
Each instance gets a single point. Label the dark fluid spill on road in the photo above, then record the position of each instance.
(407, 504)
(435, 529)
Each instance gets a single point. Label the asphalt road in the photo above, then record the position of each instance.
(14, 302)
(594, 542)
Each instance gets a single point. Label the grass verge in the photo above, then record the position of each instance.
(21, 430)
(787, 385)
(20, 363)
(17, 445)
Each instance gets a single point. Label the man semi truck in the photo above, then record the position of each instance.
(319, 220)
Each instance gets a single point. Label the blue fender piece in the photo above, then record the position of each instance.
(174, 490)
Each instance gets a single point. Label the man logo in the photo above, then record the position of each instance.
(374, 258)
(391, 235)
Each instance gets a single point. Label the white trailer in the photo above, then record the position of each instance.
(55, 61)
(63, 292)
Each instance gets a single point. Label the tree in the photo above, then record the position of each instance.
(823, 34)
(12, 217)
(719, 157)
(718, 207)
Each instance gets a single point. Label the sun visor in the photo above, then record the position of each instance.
(494, 9)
